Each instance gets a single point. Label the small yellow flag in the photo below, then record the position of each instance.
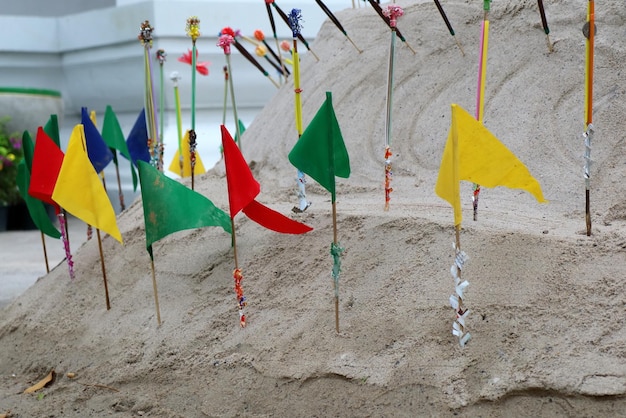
(80, 191)
(474, 154)
(175, 165)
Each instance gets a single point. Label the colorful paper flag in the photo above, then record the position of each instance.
(52, 129)
(137, 140)
(243, 188)
(47, 161)
(321, 152)
(114, 137)
(169, 206)
(36, 207)
(28, 148)
(474, 154)
(175, 165)
(79, 189)
(99, 153)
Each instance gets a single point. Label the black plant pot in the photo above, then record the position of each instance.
(18, 218)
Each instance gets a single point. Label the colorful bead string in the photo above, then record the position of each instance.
(388, 176)
(241, 299)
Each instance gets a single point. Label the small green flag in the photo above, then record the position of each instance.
(52, 129)
(36, 207)
(114, 137)
(320, 152)
(28, 146)
(169, 206)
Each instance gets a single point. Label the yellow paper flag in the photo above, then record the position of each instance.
(474, 154)
(80, 191)
(175, 165)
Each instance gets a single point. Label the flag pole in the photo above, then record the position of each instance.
(225, 95)
(156, 293)
(287, 20)
(145, 37)
(392, 12)
(336, 251)
(294, 23)
(460, 258)
(175, 77)
(480, 90)
(161, 55)
(238, 277)
(45, 253)
(192, 155)
(273, 25)
(225, 40)
(65, 237)
(120, 193)
(332, 17)
(260, 36)
(589, 30)
(456, 300)
(193, 31)
(450, 29)
(254, 62)
(544, 23)
(376, 6)
(104, 273)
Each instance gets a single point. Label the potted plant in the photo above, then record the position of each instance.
(11, 154)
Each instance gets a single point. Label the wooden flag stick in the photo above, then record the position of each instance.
(294, 24)
(234, 242)
(336, 281)
(544, 23)
(270, 15)
(61, 215)
(589, 30)
(193, 31)
(254, 62)
(461, 311)
(332, 17)
(161, 55)
(192, 155)
(447, 22)
(45, 253)
(386, 19)
(156, 293)
(480, 90)
(175, 77)
(392, 13)
(232, 99)
(119, 182)
(145, 37)
(225, 95)
(104, 273)
(238, 276)
(287, 20)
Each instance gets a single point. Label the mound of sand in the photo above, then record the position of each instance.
(546, 301)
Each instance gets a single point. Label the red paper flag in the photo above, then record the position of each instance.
(273, 220)
(47, 161)
(243, 188)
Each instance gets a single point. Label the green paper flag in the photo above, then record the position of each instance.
(169, 206)
(114, 137)
(28, 146)
(52, 129)
(320, 152)
(36, 208)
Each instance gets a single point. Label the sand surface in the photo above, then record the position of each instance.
(547, 301)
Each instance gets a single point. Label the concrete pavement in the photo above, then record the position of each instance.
(22, 259)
